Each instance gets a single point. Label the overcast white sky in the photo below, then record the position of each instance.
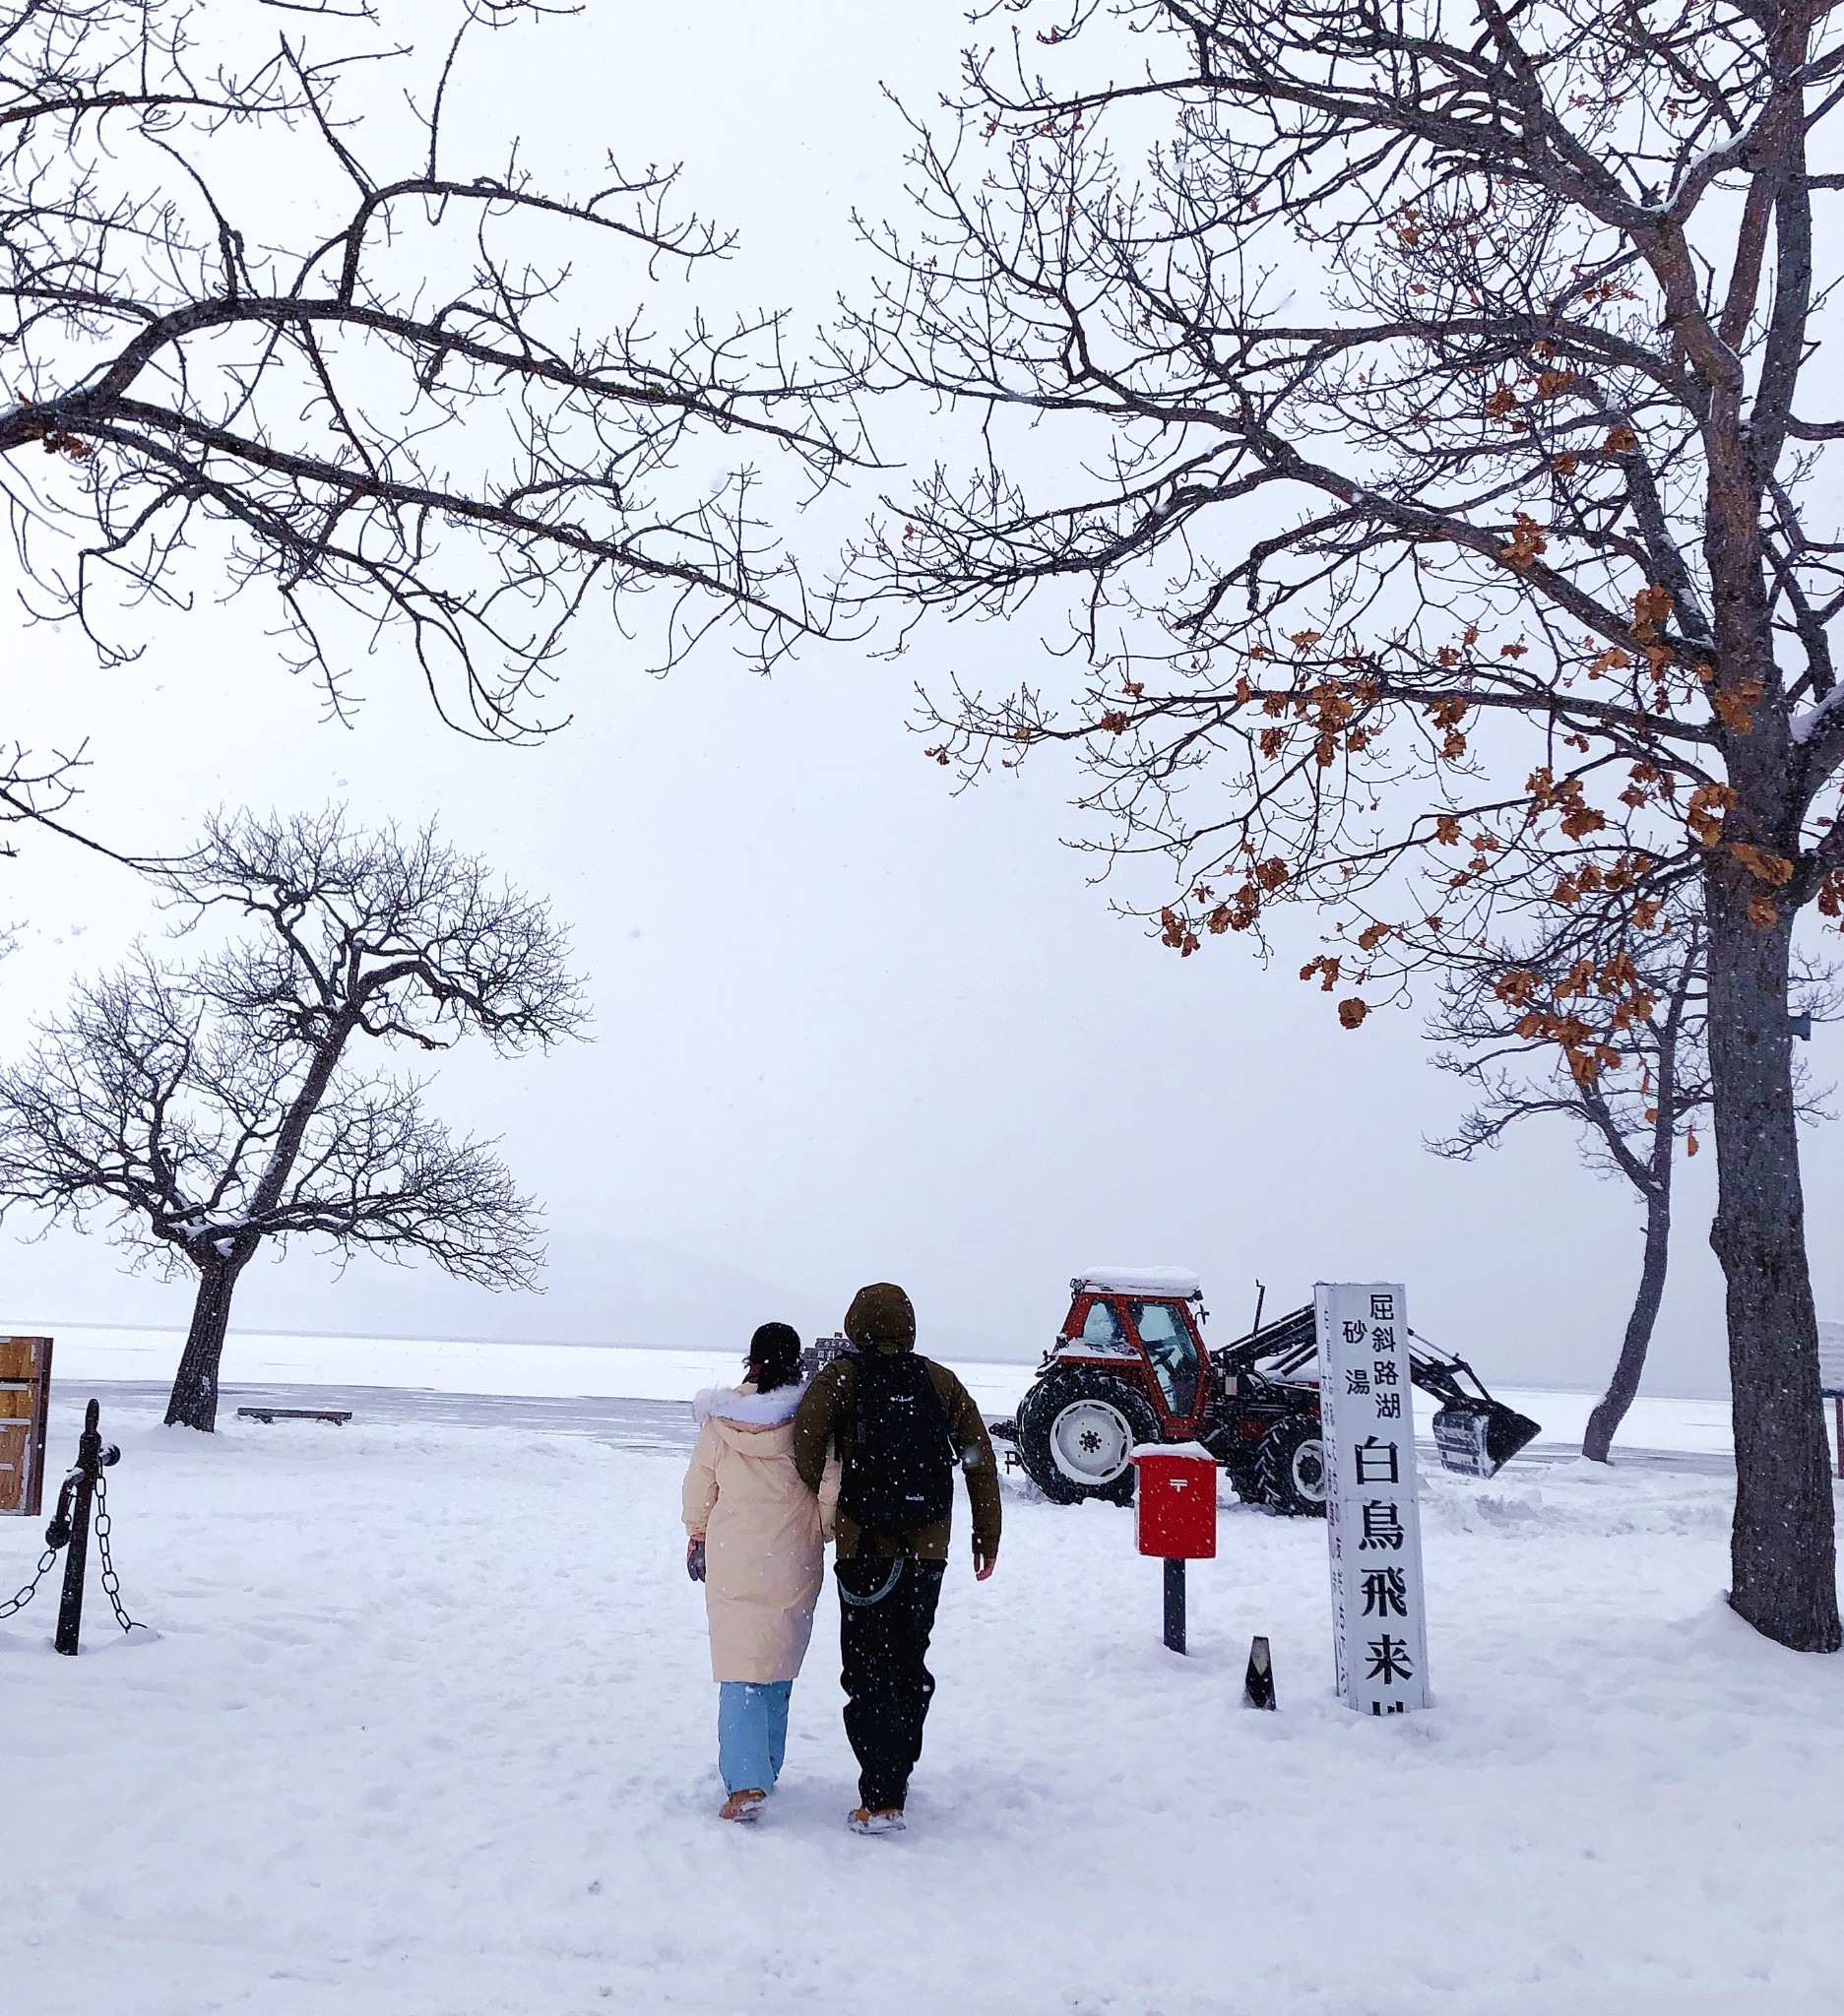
(849, 1025)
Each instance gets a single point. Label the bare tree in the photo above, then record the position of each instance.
(203, 1110)
(1451, 545)
(244, 306)
(1525, 1030)
(1560, 1029)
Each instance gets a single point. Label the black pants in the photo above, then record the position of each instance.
(886, 1611)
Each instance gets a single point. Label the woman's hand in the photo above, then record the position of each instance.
(694, 1558)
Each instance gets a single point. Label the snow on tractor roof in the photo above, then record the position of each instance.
(1139, 1281)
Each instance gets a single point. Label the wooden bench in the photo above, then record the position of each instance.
(337, 1415)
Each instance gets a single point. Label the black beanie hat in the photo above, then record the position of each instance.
(775, 1356)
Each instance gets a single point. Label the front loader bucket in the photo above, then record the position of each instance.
(1478, 1437)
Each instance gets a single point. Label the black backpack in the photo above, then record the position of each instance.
(899, 1470)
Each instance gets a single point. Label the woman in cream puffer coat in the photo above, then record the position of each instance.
(756, 1539)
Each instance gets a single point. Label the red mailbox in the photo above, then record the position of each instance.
(1176, 1501)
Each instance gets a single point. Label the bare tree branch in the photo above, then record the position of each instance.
(375, 401)
(201, 1111)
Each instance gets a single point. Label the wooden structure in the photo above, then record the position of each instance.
(24, 1401)
(337, 1415)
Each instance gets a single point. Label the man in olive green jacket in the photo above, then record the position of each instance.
(889, 1583)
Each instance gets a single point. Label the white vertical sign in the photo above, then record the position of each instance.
(1373, 1522)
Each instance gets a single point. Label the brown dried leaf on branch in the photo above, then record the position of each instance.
(1734, 706)
(1527, 542)
(1650, 607)
(1774, 869)
(1516, 988)
(1703, 814)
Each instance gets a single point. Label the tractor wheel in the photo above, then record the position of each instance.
(1290, 1469)
(1075, 1431)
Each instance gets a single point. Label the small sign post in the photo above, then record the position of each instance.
(1373, 1525)
(1258, 1682)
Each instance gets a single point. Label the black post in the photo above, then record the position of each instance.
(89, 1466)
(1174, 1605)
(1258, 1683)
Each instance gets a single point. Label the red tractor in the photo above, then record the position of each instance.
(1129, 1367)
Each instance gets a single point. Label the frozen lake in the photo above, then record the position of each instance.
(259, 1365)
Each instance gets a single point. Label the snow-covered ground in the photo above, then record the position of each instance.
(427, 1730)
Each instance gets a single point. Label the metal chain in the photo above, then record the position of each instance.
(30, 1589)
(111, 1586)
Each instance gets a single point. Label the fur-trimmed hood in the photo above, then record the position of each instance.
(745, 1408)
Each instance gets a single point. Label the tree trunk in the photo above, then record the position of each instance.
(1783, 1548)
(194, 1401)
(1603, 1423)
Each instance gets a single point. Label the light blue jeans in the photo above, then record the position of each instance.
(751, 1732)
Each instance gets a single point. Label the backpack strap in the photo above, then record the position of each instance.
(865, 1603)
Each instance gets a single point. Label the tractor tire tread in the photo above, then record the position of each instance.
(1052, 1391)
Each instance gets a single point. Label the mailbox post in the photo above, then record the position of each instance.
(1176, 1517)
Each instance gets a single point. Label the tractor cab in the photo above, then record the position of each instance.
(1119, 1316)
(1129, 1367)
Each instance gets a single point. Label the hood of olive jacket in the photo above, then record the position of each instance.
(882, 1314)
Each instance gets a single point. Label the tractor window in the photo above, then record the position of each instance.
(1101, 1326)
(1171, 1351)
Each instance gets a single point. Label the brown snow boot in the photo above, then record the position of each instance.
(744, 1805)
(886, 1820)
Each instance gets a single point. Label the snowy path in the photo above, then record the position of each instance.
(427, 1732)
